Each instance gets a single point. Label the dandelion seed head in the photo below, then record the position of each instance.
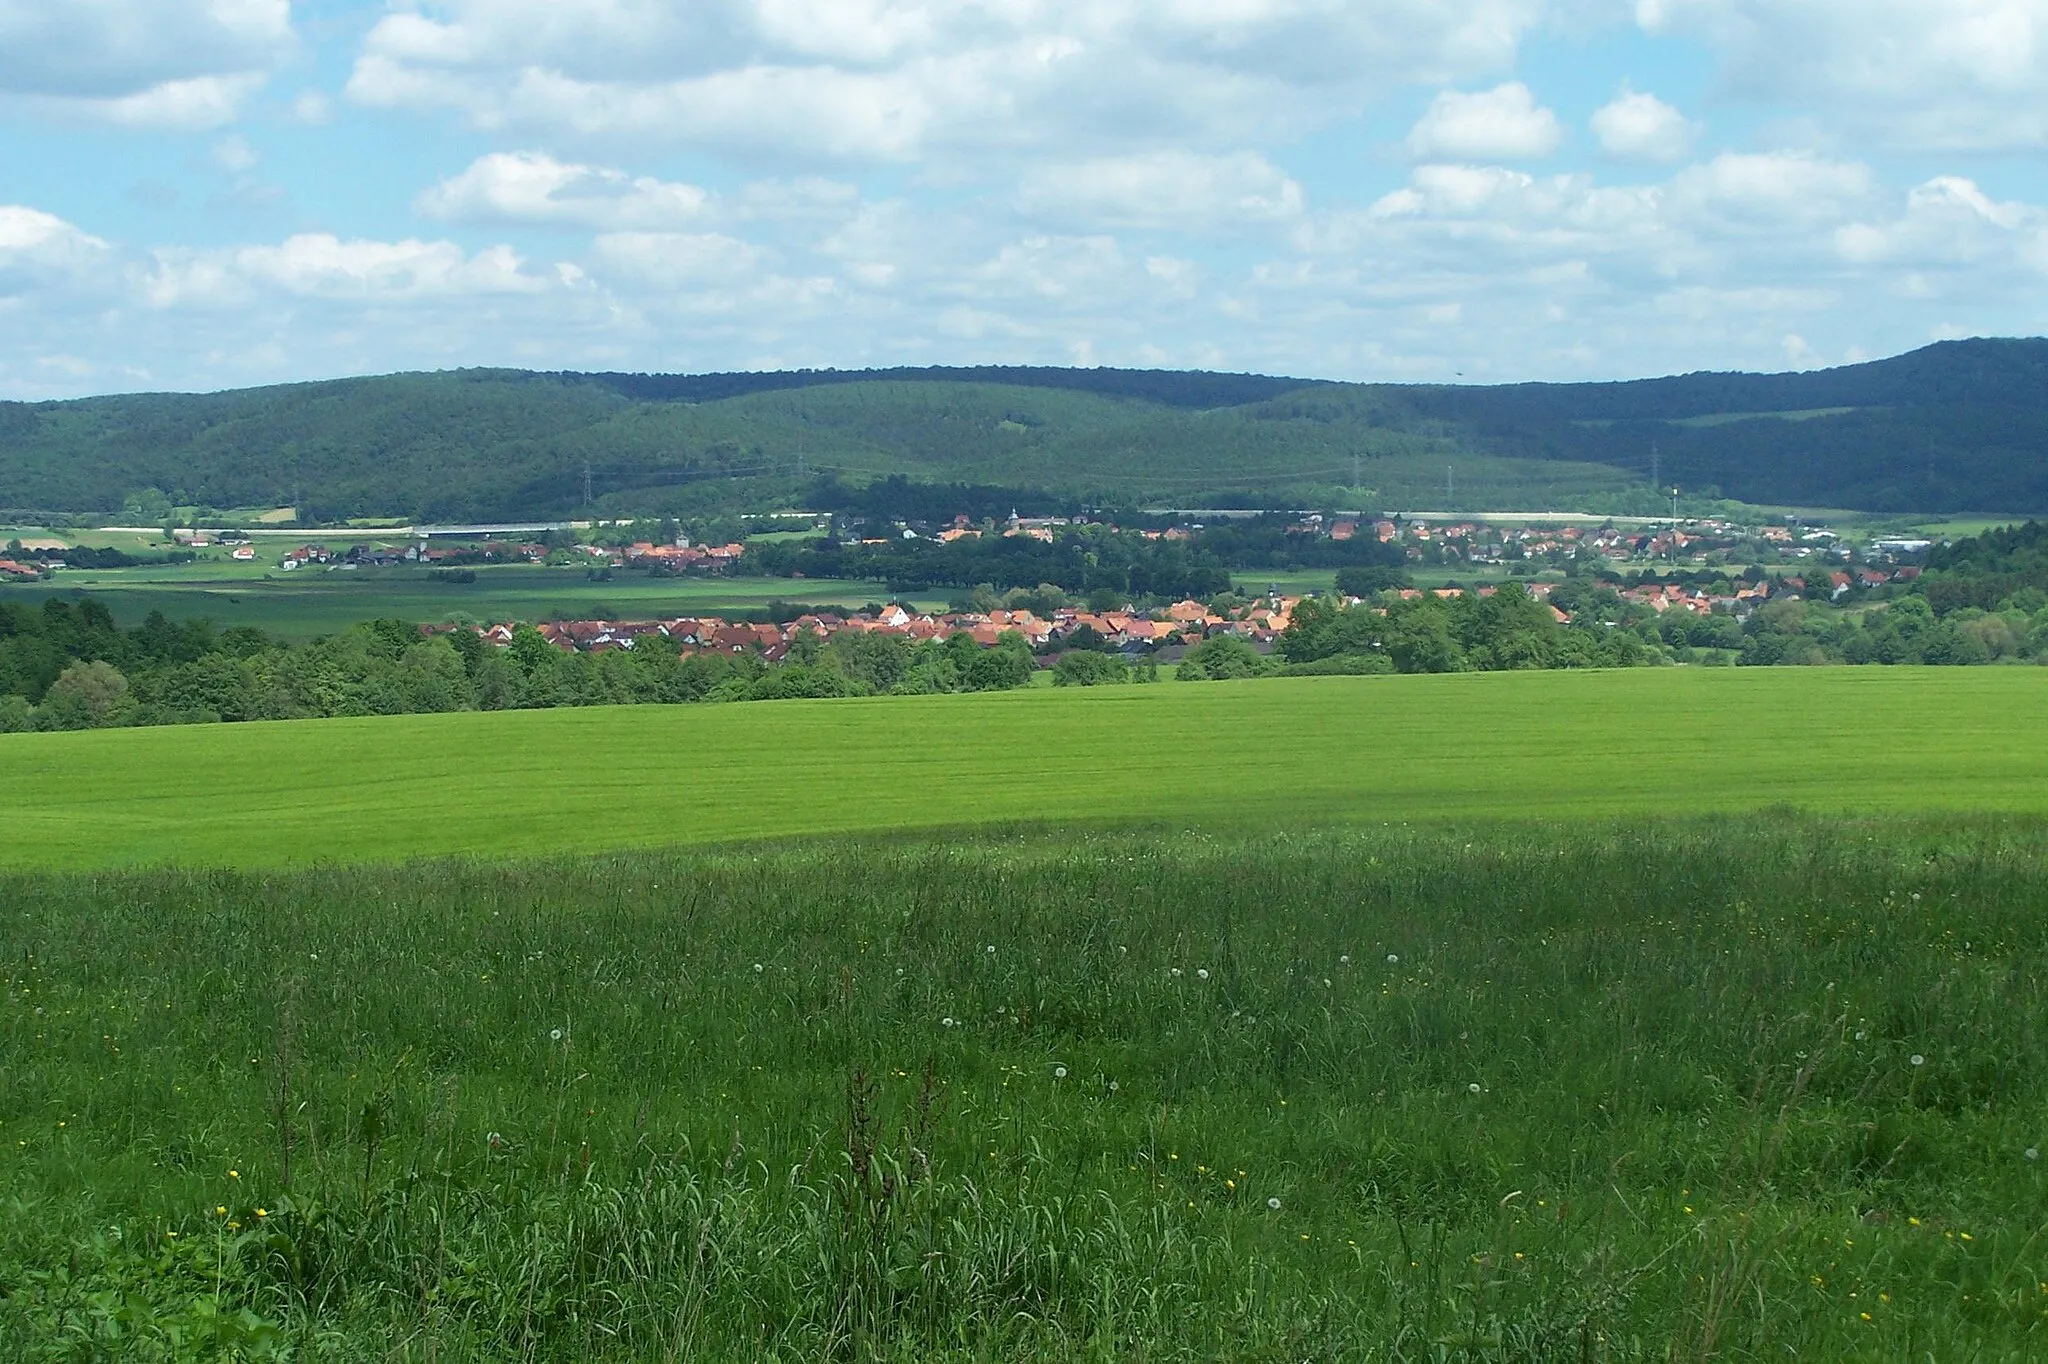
(1273, 1204)
(2033, 1153)
(1202, 973)
(1344, 961)
(758, 968)
(1917, 1059)
(991, 949)
(946, 1022)
(1176, 972)
(554, 1034)
(1862, 1036)
(1393, 958)
(1059, 1072)
(1472, 1088)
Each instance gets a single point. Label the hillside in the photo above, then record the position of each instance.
(1957, 426)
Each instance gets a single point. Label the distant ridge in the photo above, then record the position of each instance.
(1170, 388)
(1959, 425)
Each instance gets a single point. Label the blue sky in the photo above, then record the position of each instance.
(201, 194)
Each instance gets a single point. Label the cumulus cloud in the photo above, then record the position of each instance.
(1164, 190)
(29, 231)
(1950, 226)
(1954, 75)
(533, 187)
(1501, 124)
(318, 265)
(1635, 126)
(185, 64)
(677, 260)
(812, 80)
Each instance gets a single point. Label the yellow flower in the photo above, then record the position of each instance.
(261, 1212)
(234, 1174)
(220, 1212)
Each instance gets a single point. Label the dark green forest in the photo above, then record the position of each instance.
(1959, 426)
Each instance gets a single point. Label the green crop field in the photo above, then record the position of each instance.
(1493, 1019)
(1278, 753)
(310, 602)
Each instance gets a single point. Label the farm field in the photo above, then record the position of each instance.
(314, 602)
(1273, 754)
(1687, 1088)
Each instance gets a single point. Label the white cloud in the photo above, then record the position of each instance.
(1923, 74)
(1636, 126)
(41, 251)
(25, 231)
(319, 265)
(533, 187)
(234, 155)
(1950, 237)
(182, 64)
(1164, 190)
(810, 80)
(678, 260)
(1501, 124)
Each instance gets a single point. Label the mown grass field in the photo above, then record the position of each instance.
(1753, 1088)
(1275, 754)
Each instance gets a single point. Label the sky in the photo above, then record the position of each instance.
(204, 194)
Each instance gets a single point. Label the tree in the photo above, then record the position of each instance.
(1084, 668)
(1370, 580)
(87, 696)
(1222, 659)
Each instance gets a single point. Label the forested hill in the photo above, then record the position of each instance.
(1956, 426)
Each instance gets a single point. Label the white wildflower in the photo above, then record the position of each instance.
(947, 1023)
(1273, 1205)
(1202, 973)
(1393, 959)
(2033, 1153)
(1917, 1059)
(1473, 1087)
(1059, 1072)
(554, 1034)
(758, 968)
(1344, 960)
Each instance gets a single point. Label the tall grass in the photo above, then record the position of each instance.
(1642, 1091)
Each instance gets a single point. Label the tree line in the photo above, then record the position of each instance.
(68, 666)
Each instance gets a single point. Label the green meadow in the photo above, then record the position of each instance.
(1637, 1016)
(1731, 1088)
